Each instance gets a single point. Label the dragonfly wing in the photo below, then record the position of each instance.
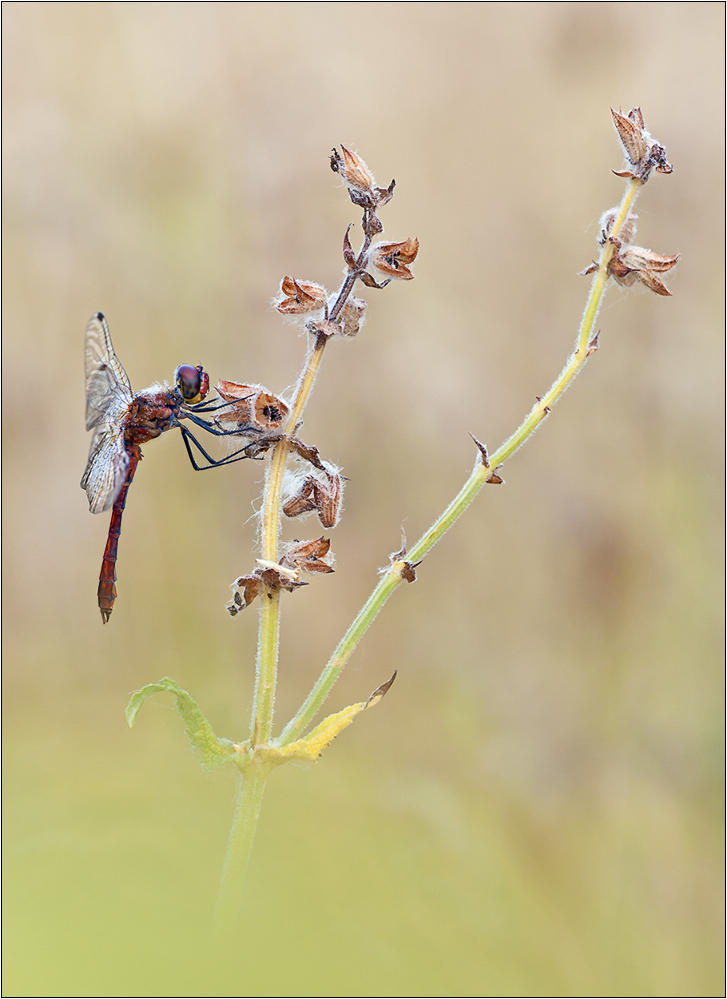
(107, 384)
(106, 469)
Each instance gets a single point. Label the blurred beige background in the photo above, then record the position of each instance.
(535, 808)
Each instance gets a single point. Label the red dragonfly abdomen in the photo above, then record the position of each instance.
(107, 579)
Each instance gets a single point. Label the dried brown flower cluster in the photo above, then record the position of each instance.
(643, 153)
(360, 180)
(330, 315)
(305, 556)
(253, 412)
(628, 264)
(321, 491)
(310, 556)
(635, 263)
(268, 576)
(255, 407)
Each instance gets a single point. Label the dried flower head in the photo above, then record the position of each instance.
(352, 316)
(361, 184)
(394, 259)
(643, 153)
(300, 297)
(309, 556)
(268, 576)
(352, 169)
(256, 407)
(321, 491)
(638, 264)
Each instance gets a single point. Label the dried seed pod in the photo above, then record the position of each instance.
(300, 297)
(302, 501)
(255, 407)
(352, 169)
(309, 556)
(321, 491)
(643, 153)
(483, 451)
(268, 576)
(352, 316)
(394, 259)
(245, 589)
(638, 264)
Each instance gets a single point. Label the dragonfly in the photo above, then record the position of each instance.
(122, 420)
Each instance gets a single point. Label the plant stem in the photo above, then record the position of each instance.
(266, 670)
(247, 811)
(386, 586)
(480, 474)
(261, 722)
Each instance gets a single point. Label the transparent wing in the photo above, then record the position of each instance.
(106, 468)
(108, 389)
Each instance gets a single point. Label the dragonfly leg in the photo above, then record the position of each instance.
(211, 429)
(189, 440)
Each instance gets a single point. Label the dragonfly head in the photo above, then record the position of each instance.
(193, 383)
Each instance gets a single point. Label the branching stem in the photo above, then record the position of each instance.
(253, 777)
(480, 474)
(254, 771)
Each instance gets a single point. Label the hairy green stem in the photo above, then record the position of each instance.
(247, 811)
(480, 474)
(255, 771)
(263, 703)
(253, 774)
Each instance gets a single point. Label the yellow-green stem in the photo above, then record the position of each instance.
(269, 627)
(247, 810)
(480, 474)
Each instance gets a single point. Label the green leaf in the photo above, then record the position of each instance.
(214, 750)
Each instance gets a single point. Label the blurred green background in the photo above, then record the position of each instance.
(535, 809)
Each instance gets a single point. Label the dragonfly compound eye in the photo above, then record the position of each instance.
(193, 383)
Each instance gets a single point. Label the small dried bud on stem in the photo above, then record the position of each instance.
(352, 169)
(643, 153)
